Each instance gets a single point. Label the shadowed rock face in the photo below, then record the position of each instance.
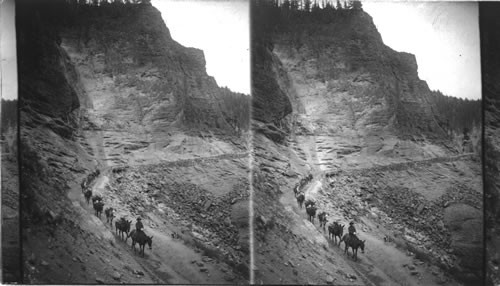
(466, 228)
(490, 72)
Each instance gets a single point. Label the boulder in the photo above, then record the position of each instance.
(116, 275)
(329, 280)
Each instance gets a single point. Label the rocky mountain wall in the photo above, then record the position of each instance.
(146, 77)
(342, 80)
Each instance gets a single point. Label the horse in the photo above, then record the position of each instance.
(310, 202)
(96, 198)
(300, 199)
(141, 238)
(335, 230)
(322, 217)
(353, 242)
(311, 212)
(122, 226)
(110, 215)
(88, 195)
(98, 206)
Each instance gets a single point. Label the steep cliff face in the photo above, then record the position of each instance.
(106, 85)
(10, 193)
(139, 82)
(344, 83)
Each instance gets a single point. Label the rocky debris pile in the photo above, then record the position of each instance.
(208, 217)
(417, 223)
(412, 210)
(407, 208)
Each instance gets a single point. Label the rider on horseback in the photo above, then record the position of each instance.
(138, 225)
(352, 230)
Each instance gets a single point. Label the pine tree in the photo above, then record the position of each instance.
(356, 5)
(339, 5)
(307, 5)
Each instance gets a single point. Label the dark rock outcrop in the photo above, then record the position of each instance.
(490, 62)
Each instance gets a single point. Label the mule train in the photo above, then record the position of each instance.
(122, 225)
(335, 229)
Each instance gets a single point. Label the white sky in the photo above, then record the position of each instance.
(443, 36)
(221, 29)
(8, 63)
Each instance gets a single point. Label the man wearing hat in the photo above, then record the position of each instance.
(352, 229)
(138, 225)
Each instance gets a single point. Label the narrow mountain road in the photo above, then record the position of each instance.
(400, 166)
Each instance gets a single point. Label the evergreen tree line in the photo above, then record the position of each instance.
(270, 16)
(456, 114)
(311, 5)
(236, 108)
